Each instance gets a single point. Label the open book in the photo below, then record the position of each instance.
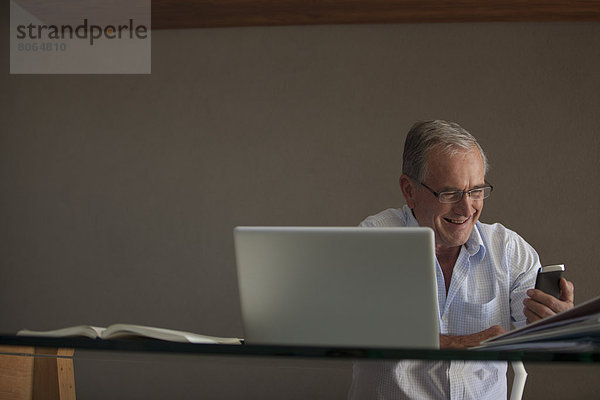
(579, 326)
(128, 331)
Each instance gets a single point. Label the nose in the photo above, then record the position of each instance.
(464, 206)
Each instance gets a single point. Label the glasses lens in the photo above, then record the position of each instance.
(450, 197)
(480, 194)
(475, 194)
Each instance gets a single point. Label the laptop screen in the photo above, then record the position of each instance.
(328, 286)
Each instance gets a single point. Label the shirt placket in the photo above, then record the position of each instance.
(456, 369)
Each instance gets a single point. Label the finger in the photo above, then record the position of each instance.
(567, 290)
(531, 316)
(540, 297)
(541, 303)
(542, 309)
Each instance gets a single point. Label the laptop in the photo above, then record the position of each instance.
(341, 287)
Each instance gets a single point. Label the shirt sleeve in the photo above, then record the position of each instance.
(523, 262)
(387, 218)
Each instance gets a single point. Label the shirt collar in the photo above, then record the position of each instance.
(475, 245)
(411, 221)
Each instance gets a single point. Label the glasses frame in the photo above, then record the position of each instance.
(462, 192)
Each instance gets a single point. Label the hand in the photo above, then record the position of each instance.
(463, 342)
(541, 305)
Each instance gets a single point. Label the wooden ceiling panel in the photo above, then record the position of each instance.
(177, 14)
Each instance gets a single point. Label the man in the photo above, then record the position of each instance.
(485, 273)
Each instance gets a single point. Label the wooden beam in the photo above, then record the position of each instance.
(16, 373)
(28, 373)
(177, 14)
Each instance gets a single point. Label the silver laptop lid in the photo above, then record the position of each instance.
(332, 286)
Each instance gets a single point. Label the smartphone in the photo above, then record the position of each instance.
(548, 278)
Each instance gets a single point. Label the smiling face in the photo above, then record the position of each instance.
(451, 223)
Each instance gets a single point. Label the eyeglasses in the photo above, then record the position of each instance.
(478, 193)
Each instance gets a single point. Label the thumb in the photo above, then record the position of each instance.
(567, 291)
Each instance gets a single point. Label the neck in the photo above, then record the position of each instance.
(447, 255)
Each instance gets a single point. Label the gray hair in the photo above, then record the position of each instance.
(425, 136)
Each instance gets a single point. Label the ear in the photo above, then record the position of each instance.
(408, 188)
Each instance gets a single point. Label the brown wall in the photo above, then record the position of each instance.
(119, 193)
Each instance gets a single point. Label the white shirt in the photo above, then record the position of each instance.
(494, 269)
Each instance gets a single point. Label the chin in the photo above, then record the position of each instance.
(456, 241)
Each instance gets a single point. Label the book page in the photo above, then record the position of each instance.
(92, 332)
(122, 331)
(582, 312)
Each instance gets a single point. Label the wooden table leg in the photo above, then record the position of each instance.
(16, 373)
(36, 374)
